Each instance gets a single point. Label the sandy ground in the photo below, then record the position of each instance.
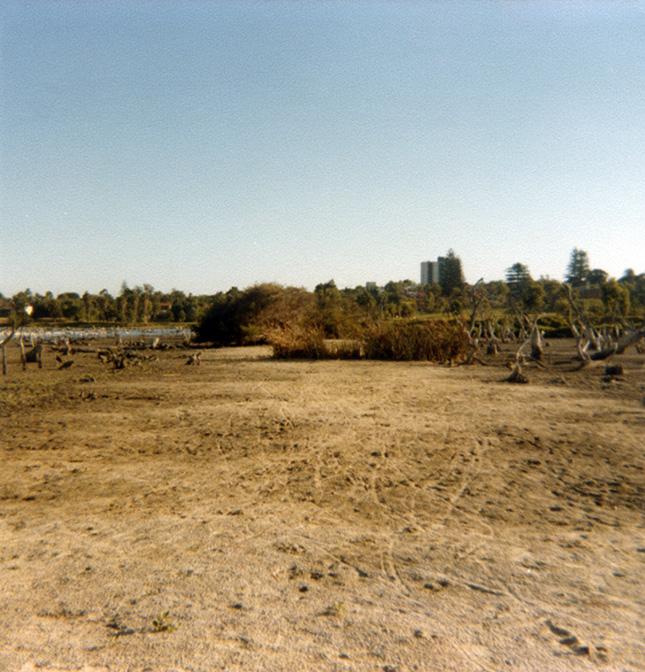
(249, 514)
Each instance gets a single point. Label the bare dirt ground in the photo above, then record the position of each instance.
(249, 514)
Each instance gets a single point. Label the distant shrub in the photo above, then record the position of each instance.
(555, 326)
(433, 340)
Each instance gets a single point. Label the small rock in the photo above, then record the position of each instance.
(303, 588)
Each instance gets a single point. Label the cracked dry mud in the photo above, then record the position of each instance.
(249, 514)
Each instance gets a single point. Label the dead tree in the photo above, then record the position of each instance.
(3, 347)
(619, 347)
(604, 344)
(588, 331)
(517, 375)
(492, 347)
(477, 295)
(537, 342)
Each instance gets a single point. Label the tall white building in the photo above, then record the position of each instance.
(430, 274)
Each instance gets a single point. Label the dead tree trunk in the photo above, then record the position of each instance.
(630, 338)
(517, 375)
(3, 346)
(587, 328)
(537, 343)
(493, 341)
(23, 359)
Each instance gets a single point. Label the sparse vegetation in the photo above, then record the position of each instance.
(162, 623)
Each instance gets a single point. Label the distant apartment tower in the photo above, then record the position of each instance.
(431, 272)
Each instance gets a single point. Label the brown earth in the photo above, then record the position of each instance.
(249, 514)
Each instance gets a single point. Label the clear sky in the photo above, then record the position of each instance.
(201, 145)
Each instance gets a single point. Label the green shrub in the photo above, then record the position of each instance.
(555, 326)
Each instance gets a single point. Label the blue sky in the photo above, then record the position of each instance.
(201, 145)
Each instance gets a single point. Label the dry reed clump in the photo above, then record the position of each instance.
(297, 342)
(436, 341)
(307, 342)
(343, 349)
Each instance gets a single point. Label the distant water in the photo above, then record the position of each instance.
(90, 333)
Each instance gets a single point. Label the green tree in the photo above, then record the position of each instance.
(552, 293)
(578, 268)
(451, 275)
(329, 301)
(87, 311)
(597, 277)
(71, 305)
(535, 296)
(518, 279)
(105, 306)
(616, 298)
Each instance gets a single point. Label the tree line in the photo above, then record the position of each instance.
(234, 316)
(247, 316)
(140, 305)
